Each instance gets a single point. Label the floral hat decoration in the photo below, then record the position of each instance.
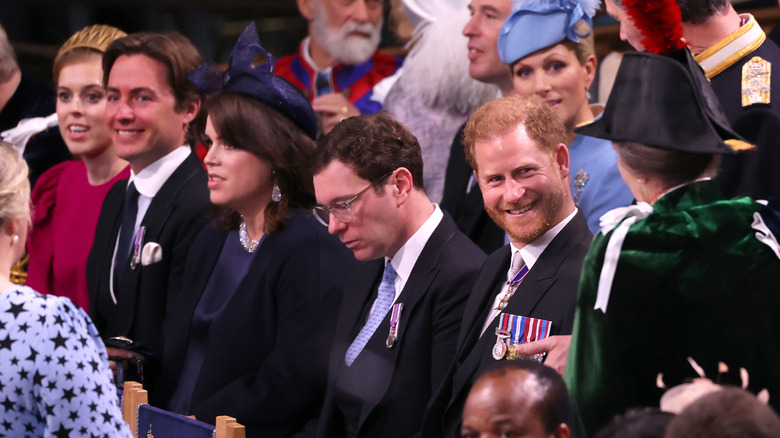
(257, 82)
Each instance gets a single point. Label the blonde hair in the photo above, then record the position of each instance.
(92, 40)
(14, 185)
(587, 45)
(504, 115)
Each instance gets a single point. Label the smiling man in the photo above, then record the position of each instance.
(526, 290)
(401, 312)
(337, 65)
(146, 225)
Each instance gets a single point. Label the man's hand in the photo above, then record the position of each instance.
(556, 347)
(333, 107)
(118, 353)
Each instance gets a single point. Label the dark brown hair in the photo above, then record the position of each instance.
(247, 124)
(728, 413)
(504, 115)
(176, 53)
(671, 167)
(373, 145)
(699, 11)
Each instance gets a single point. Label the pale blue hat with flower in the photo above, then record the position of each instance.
(536, 24)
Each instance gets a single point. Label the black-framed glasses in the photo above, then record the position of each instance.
(342, 210)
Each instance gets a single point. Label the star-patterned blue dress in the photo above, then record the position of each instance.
(54, 374)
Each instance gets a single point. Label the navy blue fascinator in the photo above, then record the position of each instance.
(257, 82)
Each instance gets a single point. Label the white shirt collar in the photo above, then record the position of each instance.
(532, 251)
(149, 181)
(404, 260)
(308, 60)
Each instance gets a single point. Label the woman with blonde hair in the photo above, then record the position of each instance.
(53, 366)
(67, 198)
(548, 44)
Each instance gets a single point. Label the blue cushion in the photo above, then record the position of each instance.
(161, 423)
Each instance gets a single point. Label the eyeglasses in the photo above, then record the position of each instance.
(342, 210)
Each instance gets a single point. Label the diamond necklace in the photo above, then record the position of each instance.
(249, 245)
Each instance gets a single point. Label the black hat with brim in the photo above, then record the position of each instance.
(665, 102)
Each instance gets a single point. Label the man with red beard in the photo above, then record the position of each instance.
(337, 65)
(526, 291)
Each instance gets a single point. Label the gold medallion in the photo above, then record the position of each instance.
(511, 352)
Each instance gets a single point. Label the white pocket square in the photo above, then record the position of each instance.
(152, 253)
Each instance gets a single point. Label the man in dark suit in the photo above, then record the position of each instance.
(462, 198)
(396, 337)
(146, 224)
(517, 148)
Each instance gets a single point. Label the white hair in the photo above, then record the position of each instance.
(344, 47)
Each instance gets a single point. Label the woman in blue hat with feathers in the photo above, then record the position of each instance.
(548, 44)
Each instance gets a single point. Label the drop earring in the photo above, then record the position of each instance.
(276, 193)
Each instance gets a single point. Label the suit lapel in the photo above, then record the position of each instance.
(488, 285)
(101, 255)
(543, 275)
(422, 275)
(351, 316)
(158, 213)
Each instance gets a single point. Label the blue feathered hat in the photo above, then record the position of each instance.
(536, 24)
(257, 82)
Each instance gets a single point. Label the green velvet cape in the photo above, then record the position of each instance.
(691, 280)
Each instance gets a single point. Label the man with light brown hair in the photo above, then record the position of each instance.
(527, 290)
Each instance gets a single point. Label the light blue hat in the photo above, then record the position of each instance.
(536, 24)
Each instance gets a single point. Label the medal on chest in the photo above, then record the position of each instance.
(395, 320)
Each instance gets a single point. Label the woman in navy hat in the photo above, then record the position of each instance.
(549, 47)
(252, 330)
(683, 274)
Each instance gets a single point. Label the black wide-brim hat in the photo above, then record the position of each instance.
(665, 102)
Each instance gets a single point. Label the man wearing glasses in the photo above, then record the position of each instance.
(400, 316)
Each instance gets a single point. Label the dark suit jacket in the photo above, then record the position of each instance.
(265, 355)
(390, 387)
(467, 209)
(174, 217)
(549, 291)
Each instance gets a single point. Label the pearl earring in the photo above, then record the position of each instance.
(16, 238)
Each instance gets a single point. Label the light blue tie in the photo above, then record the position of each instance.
(384, 300)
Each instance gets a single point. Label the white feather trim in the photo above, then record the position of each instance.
(437, 67)
(590, 6)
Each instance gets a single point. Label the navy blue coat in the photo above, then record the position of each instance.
(266, 353)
